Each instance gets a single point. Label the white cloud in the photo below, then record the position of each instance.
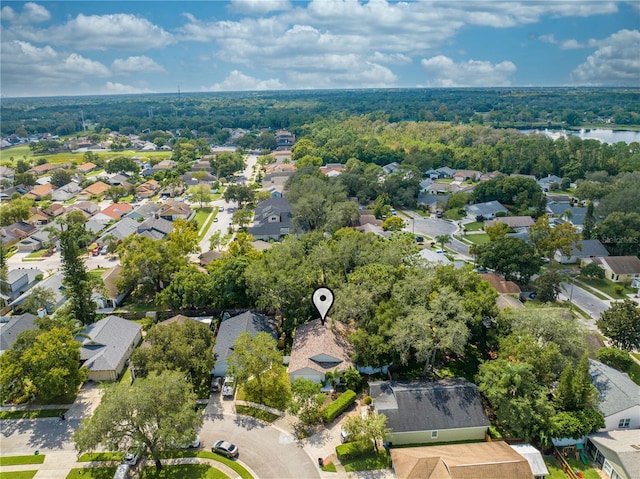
(31, 13)
(120, 88)
(105, 32)
(548, 38)
(444, 72)
(135, 64)
(616, 62)
(570, 45)
(238, 81)
(259, 7)
(363, 75)
(392, 58)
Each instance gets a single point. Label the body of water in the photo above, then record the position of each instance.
(600, 134)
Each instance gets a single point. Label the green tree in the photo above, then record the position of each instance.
(589, 221)
(497, 231)
(309, 161)
(186, 347)
(5, 288)
(42, 364)
(306, 400)
(621, 323)
(200, 193)
(190, 288)
(512, 257)
(79, 284)
(183, 239)
(443, 240)
(253, 357)
(218, 241)
(619, 233)
(39, 298)
(548, 286)
(565, 394)
(15, 210)
(240, 193)
(592, 270)
(393, 223)
(157, 411)
(225, 163)
(365, 430)
(576, 424)
(121, 164)
(303, 147)
(614, 357)
(242, 217)
(548, 240)
(60, 177)
(114, 193)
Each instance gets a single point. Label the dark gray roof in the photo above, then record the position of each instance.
(429, 405)
(429, 200)
(590, 249)
(616, 390)
(157, 228)
(144, 211)
(486, 209)
(12, 326)
(547, 180)
(122, 229)
(105, 342)
(231, 328)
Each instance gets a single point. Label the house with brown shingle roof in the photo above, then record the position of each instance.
(147, 189)
(87, 167)
(319, 348)
(622, 269)
(171, 210)
(40, 192)
(482, 460)
(99, 188)
(515, 222)
(110, 298)
(114, 211)
(37, 217)
(43, 169)
(55, 210)
(502, 286)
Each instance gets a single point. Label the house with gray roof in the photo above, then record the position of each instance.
(621, 269)
(18, 281)
(12, 326)
(422, 412)
(122, 229)
(230, 329)
(155, 228)
(619, 397)
(487, 210)
(546, 182)
(272, 219)
(66, 192)
(445, 172)
(106, 345)
(393, 167)
(582, 250)
(54, 284)
(144, 211)
(534, 458)
(432, 202)
(617, 453)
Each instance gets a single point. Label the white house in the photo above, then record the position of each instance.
(619, 397)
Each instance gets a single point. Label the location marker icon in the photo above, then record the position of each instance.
(322, 300)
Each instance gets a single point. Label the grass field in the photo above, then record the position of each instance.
(607, 287)
(480, 238)
(184, 471)
(23, 151)
(18, 475)
(475, 226)
(92, 473)
(101, 456)
(20, 460)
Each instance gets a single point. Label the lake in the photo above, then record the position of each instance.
(601, 134)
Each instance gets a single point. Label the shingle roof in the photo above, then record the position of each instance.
(513, 221)
(616, 390)
(622, 264)
(423, 406)
(315, 339)
(620, 447)
(483, 460)
(500, 284)
(10, 330)
(485, 209)
(105, 342)
(157, 226)
(589, 249)
(231, 328)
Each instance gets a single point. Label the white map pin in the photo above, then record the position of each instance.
(322, 300)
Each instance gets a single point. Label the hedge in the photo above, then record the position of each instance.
(334, 409)
(353, 450)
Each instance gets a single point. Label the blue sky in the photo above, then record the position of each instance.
(109, 47)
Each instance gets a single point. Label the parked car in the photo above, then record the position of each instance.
(103, 251)
(130, 458)
(216, 384)
(228, 387)
(95, 251)
(122, 472)
(225, 448)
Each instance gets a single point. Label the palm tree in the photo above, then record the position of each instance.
(442, 240)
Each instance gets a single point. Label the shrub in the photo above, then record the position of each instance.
(618, 289)
(592, 270)
(351, 450)
(614, 357)
(39, 277)
(334, 409)
(367, 400)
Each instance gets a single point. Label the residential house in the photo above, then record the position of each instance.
(55, 210)
(106, 345)
(272, 219)
(502, 286)
(430, 411)
(432, 202)
(95, 225)
(12, 326)
(144, 211)
(155, 228)
(203, 164)
(393, 167)
(208, 257)
(147, 189)
(96, 190)
(332, 169)
(274, 170)
(619, 397)
(319, 347)
(38, 240)
(16, 231)
(230, 329)
(432, 174)
(534, 458)
(7, 193)
(7, 173)
(545, 183)
(432, 257)
(18, 281)
(114, 212)
(87, 207)
(584, 249)
(621, 269)
(190, 180)
(425, 184)
(616, 453)
(54, 284)
(120, 230)
(487, 210)
(516, 223)
(440, 188)
(171, 210)
(66, 192)
(466, 175)
(40, 170)
(119, 180)
(87, 167)
(490, 175)
(481, 460)
(40, 192)
(573, 214)
(110, 298)
(446, 172)
(38, 217)
(285, 140)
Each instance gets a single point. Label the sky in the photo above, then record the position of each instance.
(51, 48)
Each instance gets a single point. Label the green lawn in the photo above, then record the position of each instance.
(201, 215)
(37, 254)
(257, 413)
(92, 473)
(242, 472)
(555, 471)
(368, 462)
(634, 373)
(101, 456)
(34, 414)
(18, 475)
(607, 287)
(19, 152)
(20, 460)
(588, 472)
(475, 226)
(184, 471)
(480, 238)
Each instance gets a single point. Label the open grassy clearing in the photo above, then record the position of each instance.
(481, 238)
(24, 152)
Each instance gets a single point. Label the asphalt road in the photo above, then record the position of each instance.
(433, 227)
(586, 301)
